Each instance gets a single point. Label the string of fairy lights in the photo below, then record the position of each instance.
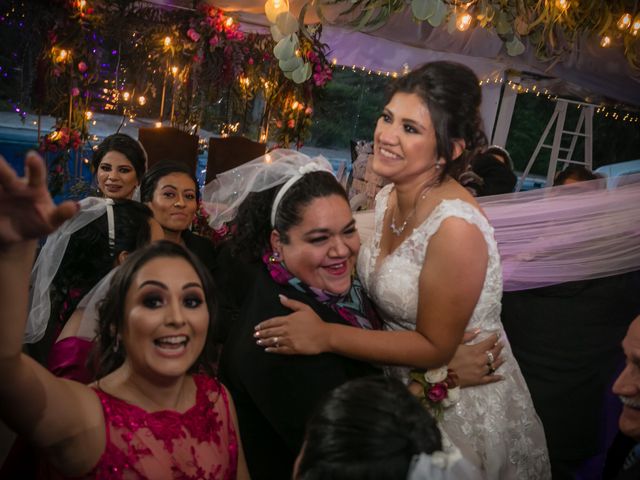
(498, 79)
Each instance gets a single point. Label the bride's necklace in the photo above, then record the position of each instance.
(397, 231)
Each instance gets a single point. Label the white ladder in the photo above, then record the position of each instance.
(559, 116)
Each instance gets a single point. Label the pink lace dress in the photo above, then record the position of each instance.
(198, 444)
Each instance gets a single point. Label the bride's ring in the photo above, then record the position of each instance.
(490, 358)
(491, 369)
(276, 343)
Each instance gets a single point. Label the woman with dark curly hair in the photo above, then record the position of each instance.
(432, 269)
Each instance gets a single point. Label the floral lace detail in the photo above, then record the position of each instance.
(200, 443)
(494, 425)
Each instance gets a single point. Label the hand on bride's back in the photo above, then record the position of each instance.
(302, 332)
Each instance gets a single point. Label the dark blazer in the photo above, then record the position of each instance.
(275, 394)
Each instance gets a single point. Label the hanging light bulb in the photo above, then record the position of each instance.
(562, 4)
(463, 22)
(229, 22)
(174, 70)
(142, 100)
(605, 41)
(126, 96)
(167, 41)
(88, 114)
(635, 26)
(273, 8)
(624, 22)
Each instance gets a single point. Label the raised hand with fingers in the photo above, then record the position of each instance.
(302, 332)
(26, 208)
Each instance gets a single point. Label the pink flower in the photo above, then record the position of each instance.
(193, 35)
(250, 61)
(437, 393)
(56, 72)
(291, 123)
(278, 124)
(213, 41)
(308, 111)
(197, 58)
(75, 91)
(82, 67)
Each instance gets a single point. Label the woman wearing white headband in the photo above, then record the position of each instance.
(433, 270)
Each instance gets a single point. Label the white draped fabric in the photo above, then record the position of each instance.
(553, 235)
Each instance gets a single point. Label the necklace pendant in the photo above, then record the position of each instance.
(397, 231)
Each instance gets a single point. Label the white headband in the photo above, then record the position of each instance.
(302, 171)
(223, 196)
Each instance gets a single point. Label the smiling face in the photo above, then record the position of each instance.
(627, 386)
(116, 176)
(404, 140)
(166, 318)
(174, 202)
(322, 249)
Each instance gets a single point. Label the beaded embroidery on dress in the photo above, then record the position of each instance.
(494, 425)
(200, 443)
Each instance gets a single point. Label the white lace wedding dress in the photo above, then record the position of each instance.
(495, 426)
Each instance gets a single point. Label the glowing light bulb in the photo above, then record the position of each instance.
(624, 22)
(158, 124)
(63, 54)
(229, 22)
(174, 70)
(635, 26)
(294, 105)
(142, 100)
(126, 96)
(463, 22)
(88, 114)
(562, 4)
(167, 41)
(605, 41)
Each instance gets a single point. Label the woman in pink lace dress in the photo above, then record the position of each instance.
(154, 413)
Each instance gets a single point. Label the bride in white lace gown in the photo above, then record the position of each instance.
(433, 270)
(494, 425)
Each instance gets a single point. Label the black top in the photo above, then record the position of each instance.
(275, 394)
(201, 247)
(567, 340)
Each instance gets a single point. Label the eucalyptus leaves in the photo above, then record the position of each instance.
(552, 28)
(284, 29)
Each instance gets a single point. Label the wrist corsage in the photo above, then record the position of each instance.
(440, 389)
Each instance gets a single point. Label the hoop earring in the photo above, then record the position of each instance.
(116, 346)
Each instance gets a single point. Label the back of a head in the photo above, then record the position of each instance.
(127, 146)
(161, 169)
(89, 255)
(452, 94)
(254, 215)
(574, 173)
(370, 429)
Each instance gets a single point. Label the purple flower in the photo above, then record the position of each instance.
(437, 393)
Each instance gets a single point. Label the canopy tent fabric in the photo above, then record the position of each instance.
(588, 70)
